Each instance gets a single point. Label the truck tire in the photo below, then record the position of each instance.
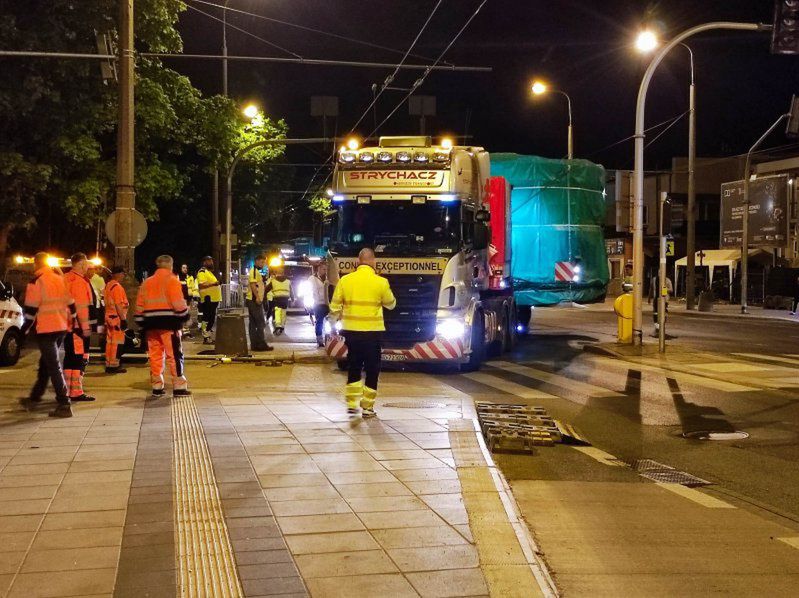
(478, 347)
(524, 313)
(10, 348)
(509, 343)
(501, 344)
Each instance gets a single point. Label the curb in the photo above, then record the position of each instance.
(706, 314)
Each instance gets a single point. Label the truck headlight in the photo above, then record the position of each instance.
(327, 327)
(450, 329)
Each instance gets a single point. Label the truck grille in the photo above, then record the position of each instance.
(414, 319)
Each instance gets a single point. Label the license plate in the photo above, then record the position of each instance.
(393, 357)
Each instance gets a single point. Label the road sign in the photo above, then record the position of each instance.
(669, 248)
(139, 228)
(768, 212)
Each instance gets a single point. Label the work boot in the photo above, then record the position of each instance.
(82, 398)
(62, 410)
(352, 411)
(157, 393)
(115, 370)
(368, 402)
(181, 392)
(28, 403)
(320, 342)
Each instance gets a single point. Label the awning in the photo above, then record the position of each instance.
(722, 258)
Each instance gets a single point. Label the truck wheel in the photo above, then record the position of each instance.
(478, 347)
(509, 340)
(10, 348)
(343, 365)
(500, 345)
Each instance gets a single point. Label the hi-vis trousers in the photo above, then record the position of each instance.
(165, 346)
(114, 336)
(76, 356)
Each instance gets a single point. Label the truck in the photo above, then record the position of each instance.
(440, 228)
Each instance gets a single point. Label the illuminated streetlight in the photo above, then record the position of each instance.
(250, 111)
(646, 41)
(539, 88)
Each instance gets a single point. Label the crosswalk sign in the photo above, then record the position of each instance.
(670, 248)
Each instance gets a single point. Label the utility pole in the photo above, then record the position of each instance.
(125, 190)
(215, 251)
(690, 266)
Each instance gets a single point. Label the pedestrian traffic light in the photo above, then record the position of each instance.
(785, 35)
(792, 130)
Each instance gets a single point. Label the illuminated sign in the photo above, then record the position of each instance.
(394, 178)
(398, 265)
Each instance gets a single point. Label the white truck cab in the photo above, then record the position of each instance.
(10, 326)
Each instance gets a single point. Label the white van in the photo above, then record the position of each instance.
(10, 326)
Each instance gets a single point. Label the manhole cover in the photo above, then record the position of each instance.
(420, 405)
(673, 476)
(716, 435)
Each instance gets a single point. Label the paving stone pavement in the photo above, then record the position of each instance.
(310, 501)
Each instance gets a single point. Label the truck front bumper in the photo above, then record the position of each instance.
(437, 350)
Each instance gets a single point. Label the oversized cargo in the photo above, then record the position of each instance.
(557, 241)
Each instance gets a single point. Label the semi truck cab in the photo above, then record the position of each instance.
(423, 208)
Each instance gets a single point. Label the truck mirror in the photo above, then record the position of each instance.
(481, 236)
(483, 216)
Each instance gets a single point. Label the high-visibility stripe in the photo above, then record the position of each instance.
(362, 303)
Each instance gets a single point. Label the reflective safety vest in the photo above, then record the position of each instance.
(160, 304)
(48, 303)
(213, 293)
(116, 302)
(280, 288)
(191, 282)
(81, 290)
(257, 279)
(360, 298)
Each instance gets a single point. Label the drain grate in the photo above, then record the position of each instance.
(665, 474)
(421, 405)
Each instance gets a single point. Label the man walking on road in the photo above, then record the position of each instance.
(50, 307)
(161, 311)
(76, 343)
(116, 320)
(210, 297)
(360, 298)
(321, 305)
(255, 306)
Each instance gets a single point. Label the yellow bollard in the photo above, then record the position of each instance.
(623, 306)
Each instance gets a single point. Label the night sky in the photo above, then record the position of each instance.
(582, 47)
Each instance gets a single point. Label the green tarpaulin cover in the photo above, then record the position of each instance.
(557, 215)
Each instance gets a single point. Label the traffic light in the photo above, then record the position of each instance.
(785, 36)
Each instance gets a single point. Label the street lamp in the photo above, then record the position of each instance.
(645, 43)
(539, 88)
(250, 111)
(640, 123)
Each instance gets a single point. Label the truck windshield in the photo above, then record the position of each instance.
(396, 227)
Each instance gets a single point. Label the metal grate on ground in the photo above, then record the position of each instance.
(664, 474)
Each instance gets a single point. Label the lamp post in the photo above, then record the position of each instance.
(646, 42)
(638, 172)
(539, 88)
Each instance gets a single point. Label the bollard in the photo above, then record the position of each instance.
(231, 334)
(623, 306)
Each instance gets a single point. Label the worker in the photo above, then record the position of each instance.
(116, 320)
(96, 279)
(281, 290)
(210, 292)
(76, 343)
(255, 305)
(51, 309)
(360, 298)
(188, 284)
(321, 305)
(161, 311)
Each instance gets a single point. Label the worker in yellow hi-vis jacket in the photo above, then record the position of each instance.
(360, 298)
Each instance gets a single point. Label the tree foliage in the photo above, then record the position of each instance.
(58, 117)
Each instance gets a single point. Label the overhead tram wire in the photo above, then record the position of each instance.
(244, 31)
(313, 30)
(427, 71)
(630, 137)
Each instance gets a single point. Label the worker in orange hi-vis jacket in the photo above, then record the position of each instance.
(116, 320)
(50, 310)
(76, 343)
(161, 311)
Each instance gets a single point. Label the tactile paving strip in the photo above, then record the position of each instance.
(205, 555)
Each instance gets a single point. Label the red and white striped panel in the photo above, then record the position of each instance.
(565, 271)
(435, 350)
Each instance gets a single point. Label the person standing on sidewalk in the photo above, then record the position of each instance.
(161, 311)
(280, 287)
(210, 298)
(360, 298)
(321, 305)
(255, 306)
(51, 309)
(76, 343)
(116, 320)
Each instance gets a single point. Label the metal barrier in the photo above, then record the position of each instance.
(237, 296)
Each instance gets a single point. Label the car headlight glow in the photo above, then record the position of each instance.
(327, 327)
(307, 301)
(347, 157)
(450, 329)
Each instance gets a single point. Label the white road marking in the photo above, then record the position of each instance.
(555, 379)
(700, 498)
(508, 386)
(779, 358)
(600, 455)
(793, 542)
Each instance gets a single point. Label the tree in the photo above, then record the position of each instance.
(60, 115)
(20, 183)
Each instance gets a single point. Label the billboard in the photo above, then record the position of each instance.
(768, 212)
